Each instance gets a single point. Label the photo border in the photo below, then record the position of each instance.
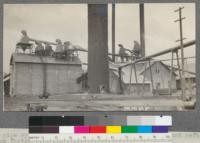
(182, 120)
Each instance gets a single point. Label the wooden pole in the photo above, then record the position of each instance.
(120, 80)
(135, 73)
(171, 73)
(152, 83)
(178, 63)
(131, 71)
(182, 51)
(145, 67)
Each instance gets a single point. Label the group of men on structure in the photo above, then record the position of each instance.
(65, 50)
(136, 53)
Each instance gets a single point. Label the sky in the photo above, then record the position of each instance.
(68, 22)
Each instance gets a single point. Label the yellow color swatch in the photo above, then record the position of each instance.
(113, 129)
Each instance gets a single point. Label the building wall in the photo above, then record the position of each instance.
(136, 89)
(60, 79)
(161, 77)
(189, 82)
(114, 83)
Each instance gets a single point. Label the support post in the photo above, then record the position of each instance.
(178, 63)
(120, 80)
(171, 73)
(98, 71)
(151, 76)
(135, 72)
(130, 81)
(145, 67)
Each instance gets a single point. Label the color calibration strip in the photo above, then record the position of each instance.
(100, 120)
(98, 129)
(79, 124)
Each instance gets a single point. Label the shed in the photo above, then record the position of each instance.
(35, 75)
(129, 84)
(161, 76)
(190, 76)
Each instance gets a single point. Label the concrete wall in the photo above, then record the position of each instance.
(60, 79)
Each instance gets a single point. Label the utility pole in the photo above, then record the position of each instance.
(180, 20)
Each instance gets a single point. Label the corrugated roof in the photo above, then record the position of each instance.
(30, 58)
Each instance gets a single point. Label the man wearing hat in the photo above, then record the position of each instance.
(122, 53)
(24, 42)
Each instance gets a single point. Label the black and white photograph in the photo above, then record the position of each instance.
(99, 57)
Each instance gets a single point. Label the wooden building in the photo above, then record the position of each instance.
(33, 75)
(128, 81)
(161, 76)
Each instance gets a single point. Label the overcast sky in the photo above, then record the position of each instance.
(69, 23)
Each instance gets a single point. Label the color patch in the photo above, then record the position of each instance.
(56, 121)
(98, 129)
(113, 129)
(35, 130)
(66, 129)
(149, 120)
(50, 130)
(81, 129)
(160, 129)
(144, 129)
(129, 129)
(163, 121)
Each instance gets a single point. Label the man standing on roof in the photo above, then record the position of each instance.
(59, 49)
(24, 38)
(67, 49)
(122, 53)
(48, 50)
(24, 42)
(39, 50)
(137, 50)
